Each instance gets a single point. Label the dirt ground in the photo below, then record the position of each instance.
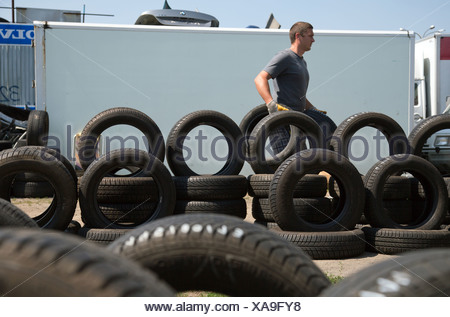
(333, 268)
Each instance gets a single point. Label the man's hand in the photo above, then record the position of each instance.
(315, 109)
(274, 107)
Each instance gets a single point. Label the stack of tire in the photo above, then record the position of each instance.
(406, 196)
(220, 193)
(289, 195)
(112, 203)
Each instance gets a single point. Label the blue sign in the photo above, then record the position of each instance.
(16, 34)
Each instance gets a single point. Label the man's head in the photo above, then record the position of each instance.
(300, 28)
(303, 33)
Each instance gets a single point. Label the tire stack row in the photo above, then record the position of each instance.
(406, 196)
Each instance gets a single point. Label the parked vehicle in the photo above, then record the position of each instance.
(432, 69)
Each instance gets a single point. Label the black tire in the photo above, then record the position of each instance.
(37, 128)
(12, 216)
(230, 130)
(327, 245)
(47, 263)
(222, 254)
(117, 116)
(311, 185)
(35, 160)
(395, 188)
(249, 122)
(348, 212)
(423, 273)
(396, 137)
(432, 181)
(32, 189)
(314, 210)
(5, 144)
(218, 187)
(125, 190)
(101, 237)
(395, 241)
(401, 211)
(302, 127)
(149, 165)
(235, 207)
(130, 213)
(425, 129)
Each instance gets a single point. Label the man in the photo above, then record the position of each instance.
(290, 77)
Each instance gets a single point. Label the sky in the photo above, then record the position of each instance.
(413, 15)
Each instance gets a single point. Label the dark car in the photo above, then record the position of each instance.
(170, 17)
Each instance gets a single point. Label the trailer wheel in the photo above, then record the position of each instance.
(347, 213)
(45, 263)
(229, 129)
(121, 158)
(37, 128)
(12, 216)
(436, 205)
(87, 143)
(302, 128)
(222, 254)
(398, 142)
(423, 273)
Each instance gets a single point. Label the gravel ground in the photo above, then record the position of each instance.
(334, 268)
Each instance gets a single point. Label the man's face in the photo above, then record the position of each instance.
(306, 40)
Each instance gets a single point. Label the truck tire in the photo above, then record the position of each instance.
(115, 116)
(235, 207)
(398, 142)
(395, 241)
(52, 264)
(37, 128)
(218, 187)
(302, 128)
(222, 254)
(434, 185)
(423, 273)
(12, 216)
(230, 130)
(36, 160)
(347, 213)
(426, 128)
(310, 186)
(327, 245)
(120, 158)
(314, 210)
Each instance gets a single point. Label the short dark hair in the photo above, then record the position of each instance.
(299, 27)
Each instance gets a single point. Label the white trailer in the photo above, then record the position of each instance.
(168, 72)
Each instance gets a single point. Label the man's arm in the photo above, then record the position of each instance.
(262, 86)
